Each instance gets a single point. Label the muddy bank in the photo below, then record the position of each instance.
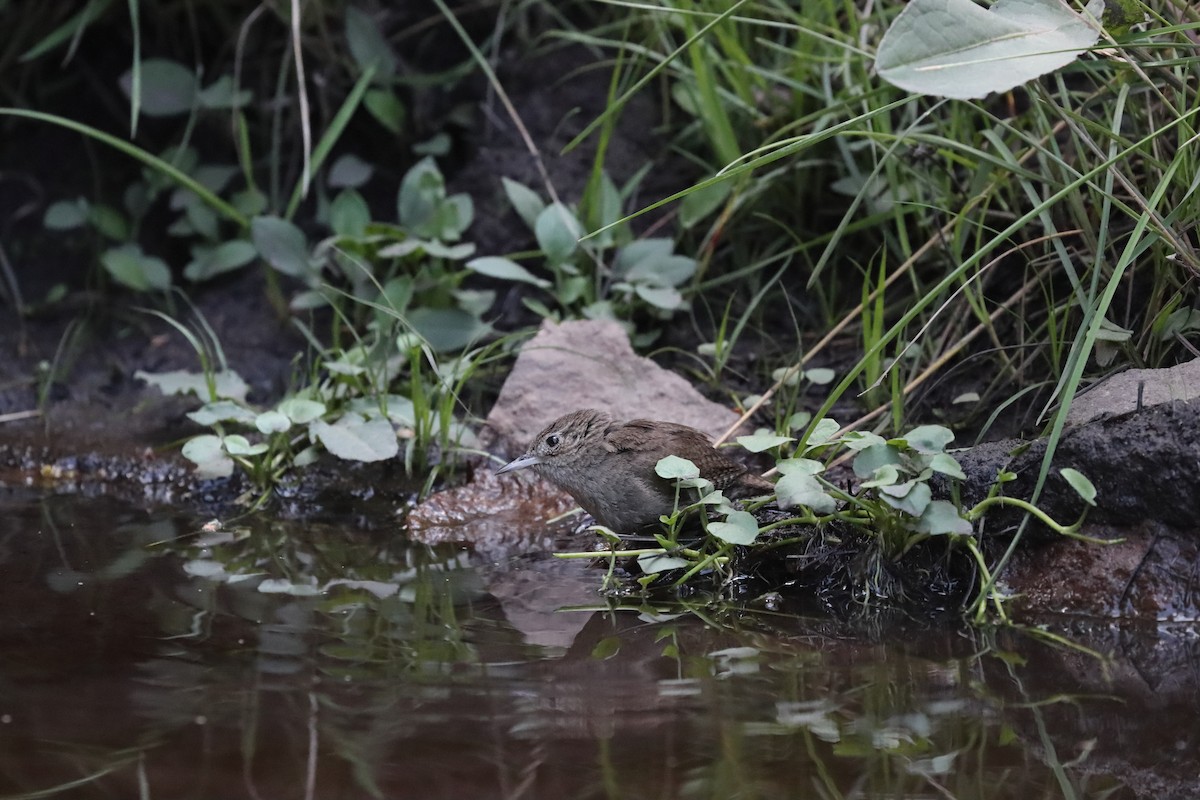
(1141, 463)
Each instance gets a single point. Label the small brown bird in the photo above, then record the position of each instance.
(608, 466)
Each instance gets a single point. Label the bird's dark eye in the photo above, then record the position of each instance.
(553, 439)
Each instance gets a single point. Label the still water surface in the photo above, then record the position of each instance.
(142, 657)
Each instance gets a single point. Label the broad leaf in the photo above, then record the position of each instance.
(356, 439)
(676, 468)
(168, 87)
(759, 442)
(1082, 486)
(799, 489)
(505, 269)
(941, 517)
(740, 527)
(558, 232)
(282, 245)
(957, 49)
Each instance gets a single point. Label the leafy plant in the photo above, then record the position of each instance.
(598, 272)
(366, 403)
(894, 504)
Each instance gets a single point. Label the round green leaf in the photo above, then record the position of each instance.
(228, 256)
(947, 465)
(929, 439)
(800, 489)
(301, 411)
(221, 411)
(209, 457)
(1079, 482)
(200, 449)
(676, 468)
(740, 527)
(66, 215)
(355, 439)
(699, 203)
(168, 87)
(282, 245)
(129, 266)
(387, 109)
(447, 328)
(665, 297)
(914, 501)
(238, 445)
(799, 466)
(272, 422)
(941, 517)
(868, 461)
(349, 214)
(368, 45)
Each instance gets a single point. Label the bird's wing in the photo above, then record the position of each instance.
(644, 434)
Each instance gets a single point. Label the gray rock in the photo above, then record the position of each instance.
(591, 364)
(1119, 393)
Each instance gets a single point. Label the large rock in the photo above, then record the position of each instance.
(591, 364)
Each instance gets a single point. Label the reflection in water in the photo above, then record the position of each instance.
(139, 657)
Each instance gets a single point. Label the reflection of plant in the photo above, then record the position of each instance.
(893, 506)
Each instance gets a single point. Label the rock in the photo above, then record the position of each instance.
(591, 364)
(1120, 393)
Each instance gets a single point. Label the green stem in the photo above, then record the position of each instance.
(1068, 531)
(712, 559)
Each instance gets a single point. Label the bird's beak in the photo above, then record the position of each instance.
(527, 460)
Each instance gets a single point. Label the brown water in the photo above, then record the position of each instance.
(141, 658)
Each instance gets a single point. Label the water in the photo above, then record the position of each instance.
(141, 657)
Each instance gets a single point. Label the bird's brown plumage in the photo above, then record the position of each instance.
(608, 465)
